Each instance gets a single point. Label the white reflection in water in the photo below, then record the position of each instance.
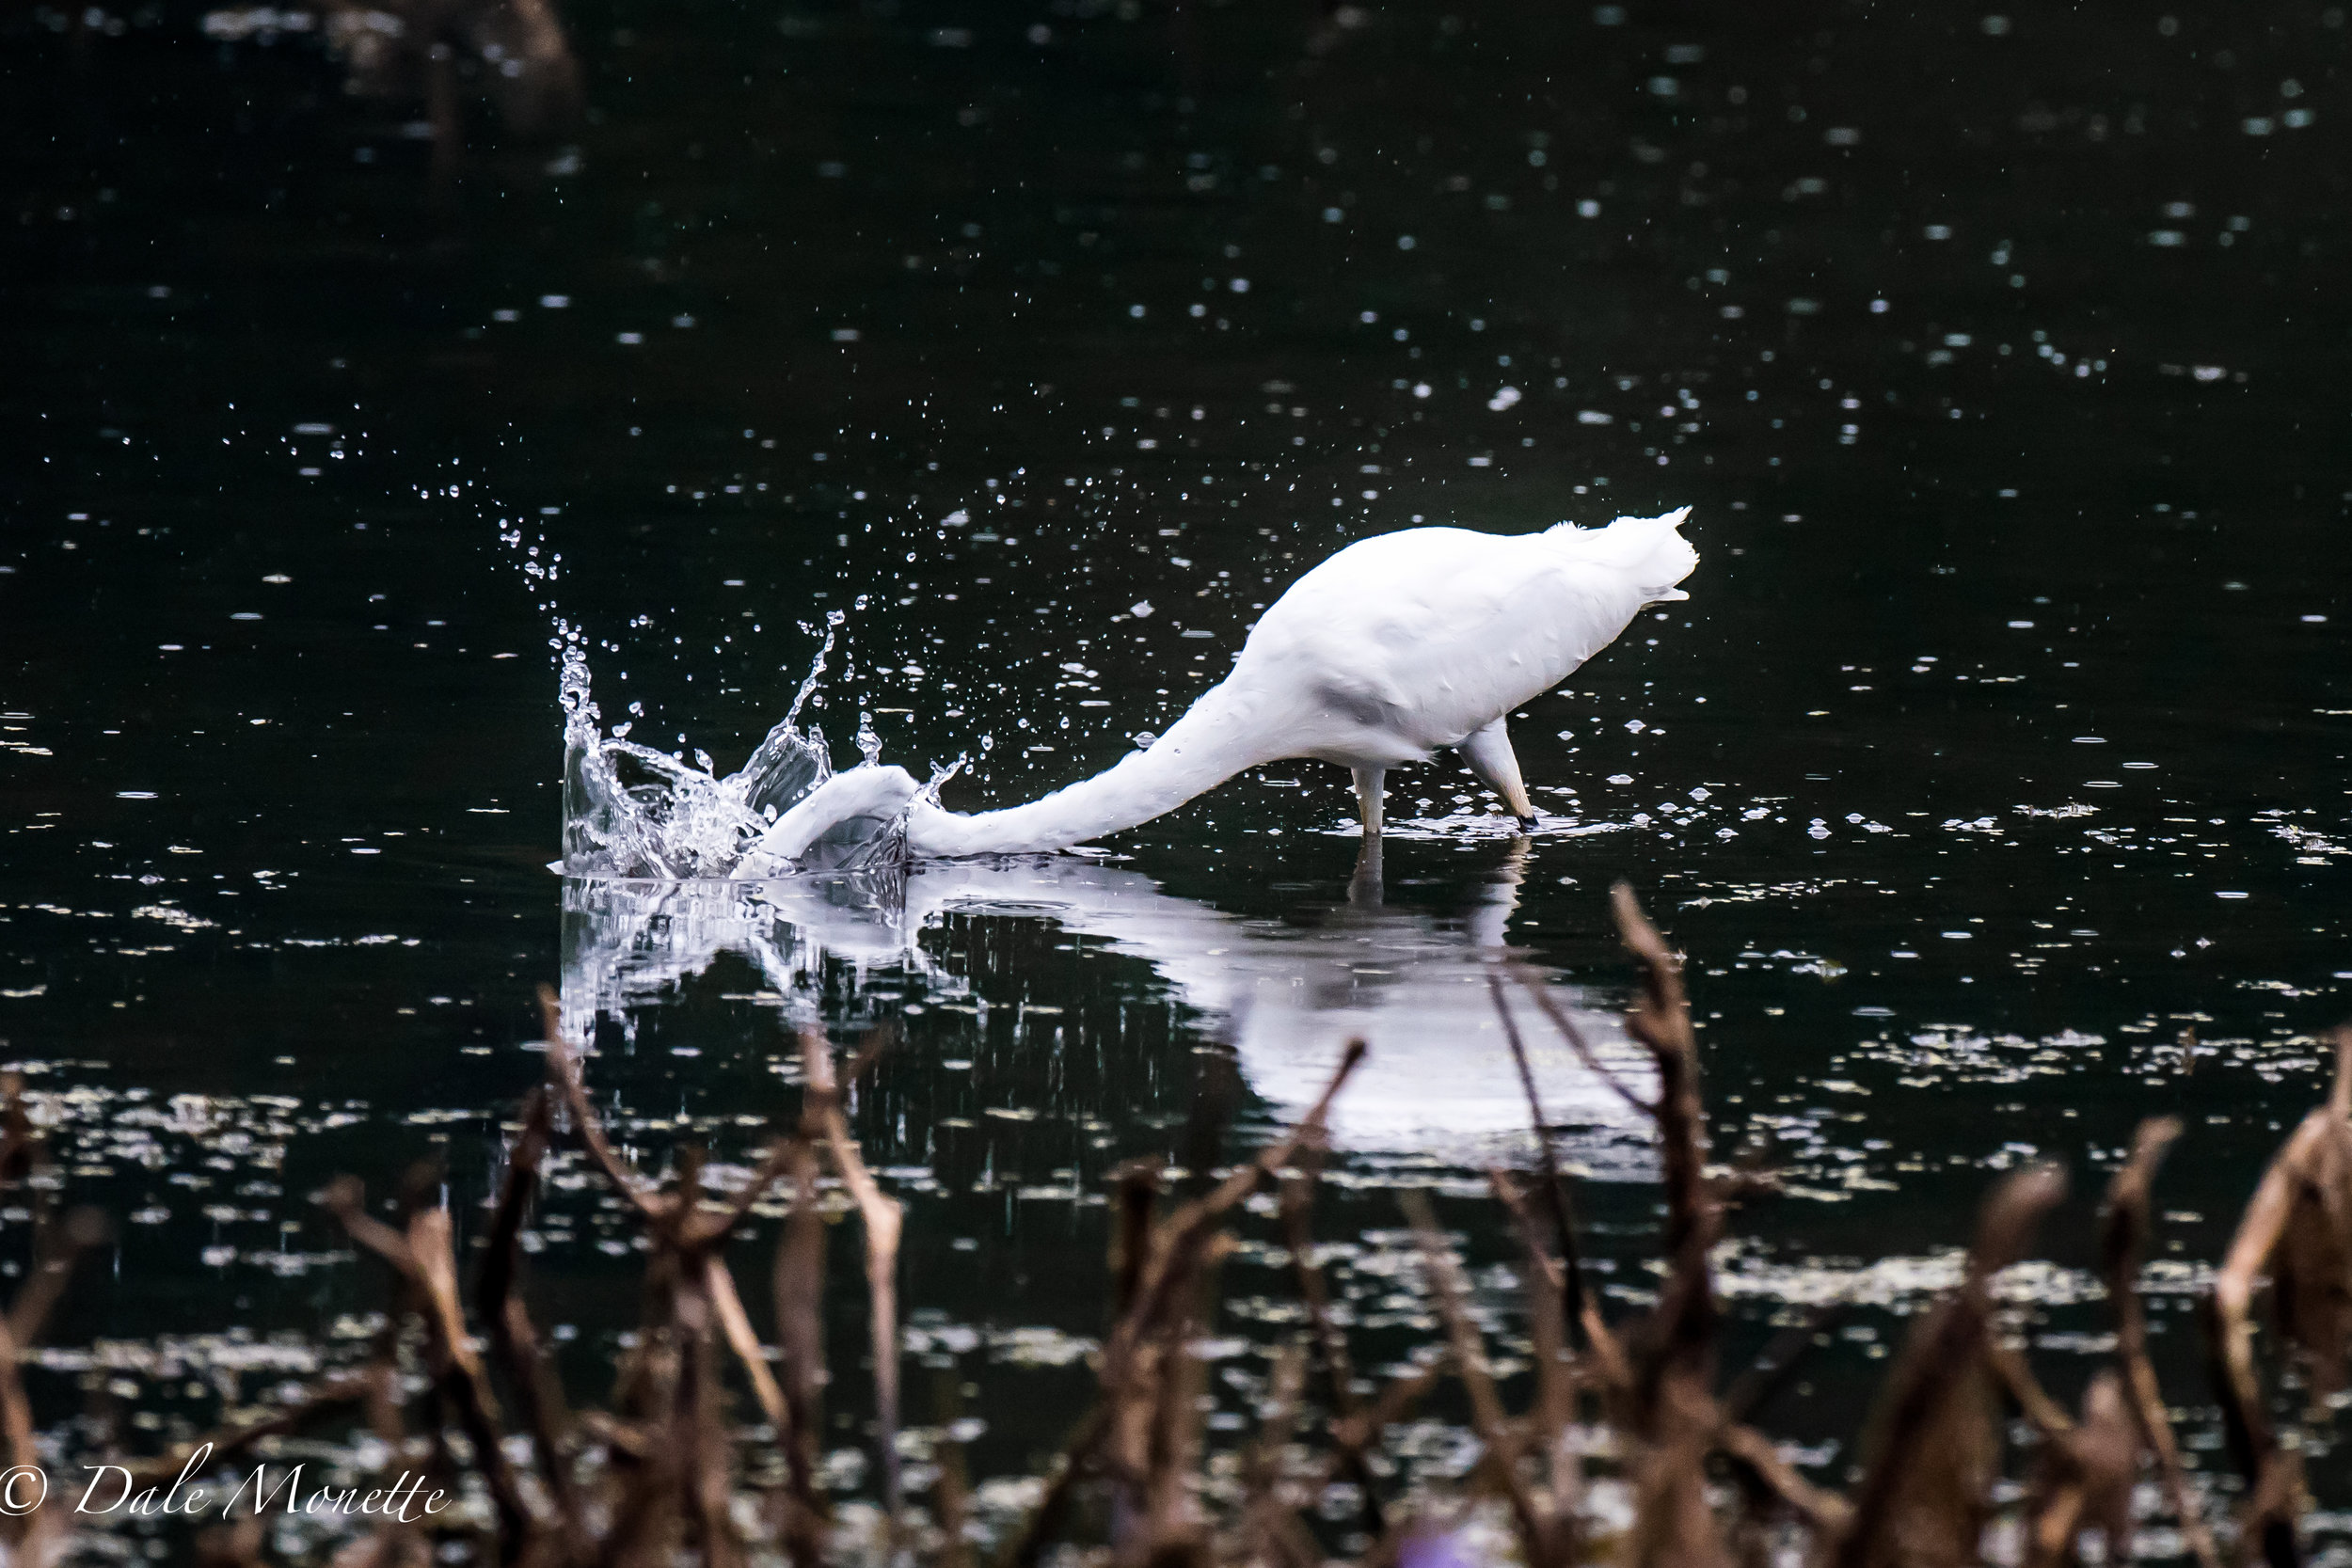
(1413, 984)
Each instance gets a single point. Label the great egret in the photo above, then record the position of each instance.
(1393, 649)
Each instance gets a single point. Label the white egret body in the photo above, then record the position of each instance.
(1394, 648)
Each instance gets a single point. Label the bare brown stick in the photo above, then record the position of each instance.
(60, 1251)
(2246, 1418)
(1672, 1414)
(1024, 1548)
(707, 1229)
(2086, 1480)
(20, 1145)
(1175, 1250)
(695, 1228)
(700, 1440)
(2123, 1236)
(1364, 1428)
(951, 1494)
(514, 1338)
(563, 1072)
(1607, 1353)
(1137, 1351)
(1153, 1268)
(1136, 1189)
(1469, 1364)
(16, 1426)
(321, 1398)
(691, 1296)
(799, 1289)
(1938, 1368)
(1558, 1019)
(2033, 1402)
(1172, 1456)
(736, 1324)
(423, 1259)
(1555, 1184)
(1824, 1510)
(1668, 1406)
(1660, 1020)
(871, 1051)
(2311, 1268)
(2313, 1157)
(449, 1352)
(1556, 1391)
(1296, 1207)
(1268, 1530)
(1779, 1359)
(1297, 1210)
(883, 1218)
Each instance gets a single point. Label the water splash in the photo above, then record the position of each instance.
(631, 811)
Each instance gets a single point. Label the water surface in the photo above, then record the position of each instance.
(1994, 777)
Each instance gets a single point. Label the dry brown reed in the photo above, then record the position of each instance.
(663, 1475)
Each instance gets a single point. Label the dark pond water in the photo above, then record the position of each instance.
(2000, 749)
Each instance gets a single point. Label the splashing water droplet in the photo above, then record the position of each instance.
(631, 811)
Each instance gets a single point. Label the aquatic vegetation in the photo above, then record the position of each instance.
(1625, 1435)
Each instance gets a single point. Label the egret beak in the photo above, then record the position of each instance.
(1488, 750)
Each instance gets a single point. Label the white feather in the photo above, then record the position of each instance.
(1395, 647)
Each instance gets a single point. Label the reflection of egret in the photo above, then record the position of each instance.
(1394, 648)
(1411, 983)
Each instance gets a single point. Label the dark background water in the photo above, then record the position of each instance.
(1998, 354)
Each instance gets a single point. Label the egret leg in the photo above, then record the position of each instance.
(1364, 887)
(1368, 793)
(1488, 752)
